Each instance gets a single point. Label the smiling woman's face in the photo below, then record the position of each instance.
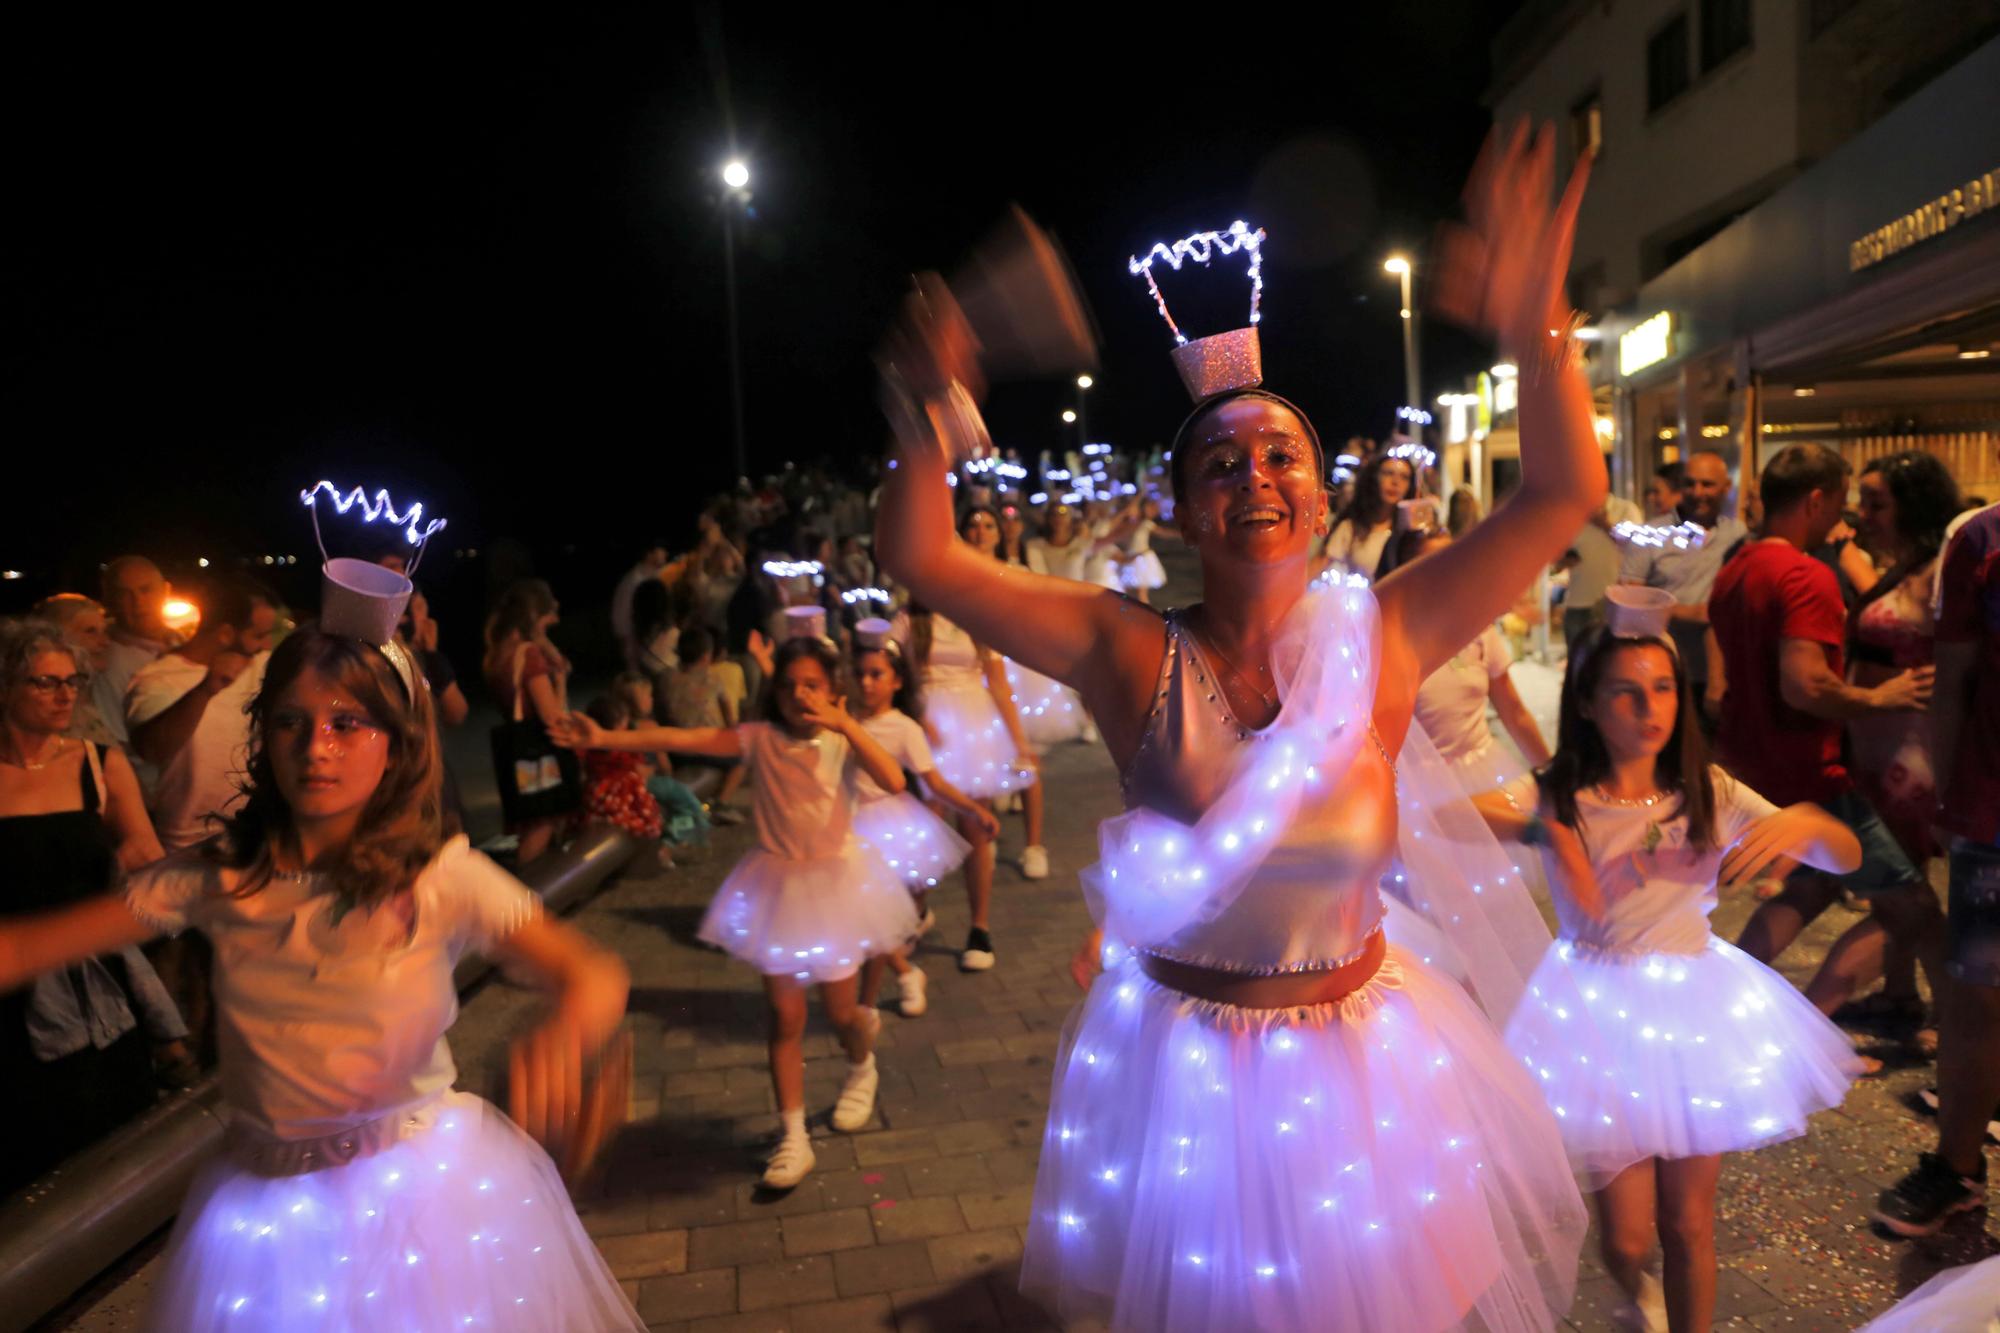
(1250, 484)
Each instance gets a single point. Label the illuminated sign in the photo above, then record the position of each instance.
(1927, 221)
(1646, 344)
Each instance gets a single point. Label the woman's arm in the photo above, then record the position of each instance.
(544, 699)
(32, 945)
(579, 732)
(1859, 567)
(1505, 273)
(589, 986)
(1520, 723)
(452, 708)
(1510, 823)
(125, 811)
(1803, 832)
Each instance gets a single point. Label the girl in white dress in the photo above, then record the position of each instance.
(1694, 1048)
(1050, 711)
(358, 1189)
(810, 903)
(1141, 570)
(902, 829)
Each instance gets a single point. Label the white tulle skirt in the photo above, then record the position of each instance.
(910, 839)
(1051, 712)
(463, 1224)
(817, 920)
(974, 750)
(1700, 1053)
(1143, 570)
(1964, 1300)
(1380, 1163)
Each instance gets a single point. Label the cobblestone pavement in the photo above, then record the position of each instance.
(917, 1223)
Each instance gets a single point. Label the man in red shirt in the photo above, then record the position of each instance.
(1953, 1179)
(1780, 625)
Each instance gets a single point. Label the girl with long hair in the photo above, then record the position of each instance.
(1358, 540)
(810, 903)
(357, 1187)
(1683, 1047)
(918, 845)
(528, 676)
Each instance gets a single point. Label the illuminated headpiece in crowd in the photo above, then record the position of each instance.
(1634, 615)
(363, 600)
(876, 635)
(805, 622)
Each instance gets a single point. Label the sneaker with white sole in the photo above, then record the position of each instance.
(977, 955)
(791, 1162)
(913, 1000)
(1034, 862)
(856, 1103)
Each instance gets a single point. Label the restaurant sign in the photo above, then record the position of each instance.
(1928, 221)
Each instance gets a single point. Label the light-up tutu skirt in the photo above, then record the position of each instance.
(910, 839)
(817, 919)
(1698, 1053)
(1143, 570)
(1377, 1163)
(974, 750)
(1051, 712)
(444, 1216)
(1965, 1298)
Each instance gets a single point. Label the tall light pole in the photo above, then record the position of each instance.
(1083, 383)
(736, 182)
(1412, 393)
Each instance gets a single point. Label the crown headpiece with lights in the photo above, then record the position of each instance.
(1221, 362)
(363, 600)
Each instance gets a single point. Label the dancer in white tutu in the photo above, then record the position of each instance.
(1050, 711)
(1451, 703)
(982, 750)
(904, 831)
(357, 1188)
(810, 903)
(1264, 1116)
(1683, 1047)
(1141, 571)
(1062, 551)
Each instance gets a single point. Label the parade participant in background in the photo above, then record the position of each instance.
(917, 845)
(981, 749)
(1688, 572)
(1050, 711)
(1780, 627)
(528, 677)
(1451, 703)
(810, 903)
(1696, 1049)
(357, 1185)
(1140, 572)
(74, 1053)
(1664, 490)
(100, 713)
(1952, 1179)
(1265, 1116)
(1356, 543)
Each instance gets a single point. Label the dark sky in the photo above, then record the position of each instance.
(480, 262)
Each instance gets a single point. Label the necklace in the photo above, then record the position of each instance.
(1629, 802)
(1267, 694)
(32, 765)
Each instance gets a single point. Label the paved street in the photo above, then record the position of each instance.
(917, 1223)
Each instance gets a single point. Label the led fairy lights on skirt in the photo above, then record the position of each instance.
(363, 600)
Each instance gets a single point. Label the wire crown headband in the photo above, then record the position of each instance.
(363, 600)
(1224, 361)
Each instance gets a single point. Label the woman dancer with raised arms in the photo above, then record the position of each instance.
(1264, 1115)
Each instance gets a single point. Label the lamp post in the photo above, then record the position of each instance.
(1083, 383)
(736, 182)
(1412, 393)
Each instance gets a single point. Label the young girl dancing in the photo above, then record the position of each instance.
(915, 842)
(358, 1190)
(1701, 1050)
(810, 902)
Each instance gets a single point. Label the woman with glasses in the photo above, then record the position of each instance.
(74, 1052)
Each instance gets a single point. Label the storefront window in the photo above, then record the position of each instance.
(1725, 30)
(1667, 63)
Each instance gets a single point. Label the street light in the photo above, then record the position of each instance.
(1084, 381)
(1400, 266)
(736, 177)
(1069, 416)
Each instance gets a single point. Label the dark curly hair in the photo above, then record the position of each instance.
(1926, 499)
(402, 824)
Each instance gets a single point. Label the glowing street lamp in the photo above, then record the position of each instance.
(1069, 416)
(735, 174)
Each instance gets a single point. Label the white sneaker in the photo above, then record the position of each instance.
(1652, 1303)
(790, 1163)
(856, 1103)
(1034, 863)
(913, 1001)
(977, 955)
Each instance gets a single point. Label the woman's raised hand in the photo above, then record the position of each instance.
(1503, 270)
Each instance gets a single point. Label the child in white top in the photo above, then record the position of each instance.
(811, 902)
(1686, 1047)
(912, 839)
(358, 1187)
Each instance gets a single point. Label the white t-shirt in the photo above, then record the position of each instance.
(1655, 901)
(1451, 703)
(325, 1023)
(802, 797)
(1063, 562)
(201, 780)
(1344, 552)
(903, 737)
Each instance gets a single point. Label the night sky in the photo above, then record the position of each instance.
(480, 262)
